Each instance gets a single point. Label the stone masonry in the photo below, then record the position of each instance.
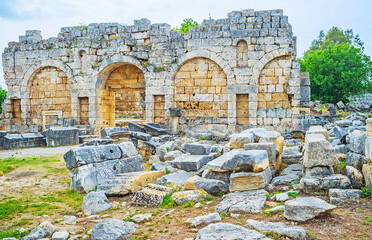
(240, 70)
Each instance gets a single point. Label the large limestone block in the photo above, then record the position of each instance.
(369, 127)
(358, 142)
(321, 185)
(274, 137)
(95, 202)
(245, 181)
(248, 201)
(197, 149)
(318, 152)
(191, 162)
(318, 130)
(368, 148)
(303, 209)
(151, 195)
(122, 184)
(367, 173)
(211, 186)
(61, 136)
(269, 147)
(189, 196)
(240, 160)
(176, 180)
(87, 177)
(228, 231)
(340, 195)
(238, 140)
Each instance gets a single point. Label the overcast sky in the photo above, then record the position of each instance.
(307, 17)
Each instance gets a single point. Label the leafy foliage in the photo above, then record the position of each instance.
(3, 94)
(336, 36)
(337, 72)
(367, 191)
(185, 25)
(167, 202)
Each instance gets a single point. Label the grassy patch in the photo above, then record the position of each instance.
(167, 202)
(69, 197)
(340, 168)
(11, 163)
(13, 233)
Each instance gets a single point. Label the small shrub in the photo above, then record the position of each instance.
(167, 171)
(292, 194)
(188, 205)
(168, 149)
(208, 198)
(366, 190)
(167, 202)
(220, 194)
(202, 138)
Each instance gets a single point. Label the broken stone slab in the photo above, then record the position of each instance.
(318, 171)
(282, 197)
(79, 156)
(61, 235)
(358, 142)
(69, 220)
(86, 178)
(108, 131)
(344, 123)
(355, 160)
(291, 155)
(189, 196)
(113, 229)
(340, 133)
(269, 147)
(245, 181)
(367, 173)
(155, 129)
(341, 195)
(95, 202)
(61, 136)
(43, 230)
(240, 160)
(318, 152)
(321, 185)
(163, 166)
(26, 140)
(87, 138)
(150, 146)
(141, 217)
(355, 176)
(191, 162)
(368, 148)
(212, 217)
(123, 184)
(135, 127)
(170, 156)
(211, 186)
(151, 195)
(248, 201)
(223, 176)
(228, 231)
(274, 137)
(318, 130)
(289, 175)
(197, 149)
(97, 142)
(303, 209)
(238, 140)
(293, 169)
(176, 180)
(293, 232)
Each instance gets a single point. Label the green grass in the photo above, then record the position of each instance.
(367, 191)
(13, 233)
(188, 205)
(167, 202)
(9, 164)
(69, 197)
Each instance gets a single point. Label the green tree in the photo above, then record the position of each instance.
(336, 36)
(185, 25)
(337, 72)
(3, 94)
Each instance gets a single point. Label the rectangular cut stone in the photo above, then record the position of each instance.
(368, 148)
(240, 160)
(245, 181)
(61, 136)
(197, 149)
(318, 152)
(269, 147)
(123, 184)
(317, 130)
(191, 162)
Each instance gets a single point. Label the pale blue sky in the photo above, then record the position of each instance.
(307, 17)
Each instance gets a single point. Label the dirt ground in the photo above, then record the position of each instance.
(348, 221)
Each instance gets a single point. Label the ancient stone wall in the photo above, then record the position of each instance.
(240, 70)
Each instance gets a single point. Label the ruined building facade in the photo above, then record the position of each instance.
(237, 71)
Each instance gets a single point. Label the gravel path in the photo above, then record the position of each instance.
(31, 152)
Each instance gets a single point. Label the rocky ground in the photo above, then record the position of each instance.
(348, 221)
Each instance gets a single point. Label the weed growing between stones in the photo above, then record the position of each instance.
(366, 190)
(167, 202)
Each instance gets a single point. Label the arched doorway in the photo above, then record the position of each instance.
(200, 91)
(121, 94)
(49, 90)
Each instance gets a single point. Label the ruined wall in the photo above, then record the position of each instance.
(253, 80)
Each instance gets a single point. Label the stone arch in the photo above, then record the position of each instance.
(273, 82)
(120, 89)
(203, 53)
(200, 90)
(49, 89)
(242, 54)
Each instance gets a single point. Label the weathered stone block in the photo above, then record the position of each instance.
(191, 162)
(61, 136)
(318, 151)
(245, 181)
